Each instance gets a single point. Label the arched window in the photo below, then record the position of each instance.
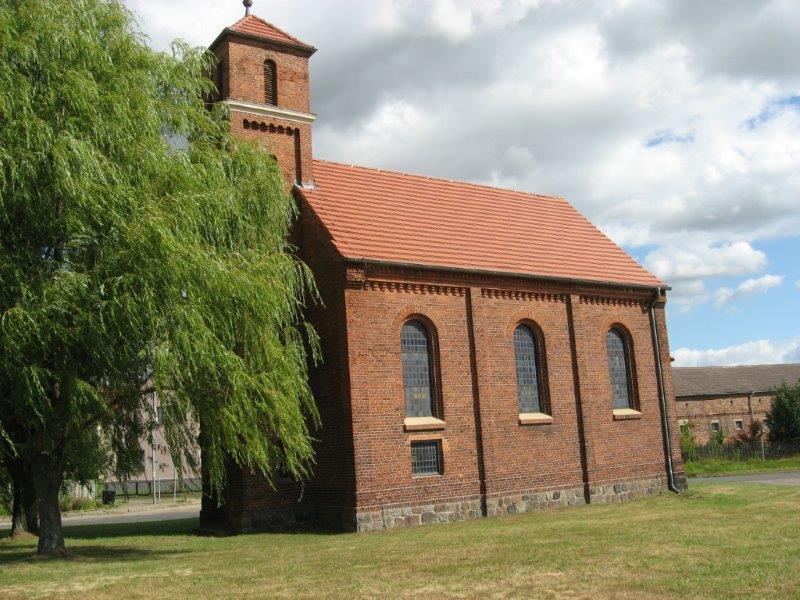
(417, 350)
(530, 389)
(270, 82)
(619, 368)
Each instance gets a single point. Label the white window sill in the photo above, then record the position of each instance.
(626, 414)
(535, 419)
(423, 424)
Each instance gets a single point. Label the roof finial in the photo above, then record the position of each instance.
(247, 5)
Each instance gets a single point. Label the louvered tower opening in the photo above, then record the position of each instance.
(270, 82)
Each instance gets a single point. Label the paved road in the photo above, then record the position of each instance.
(777, 478)
(165, 513)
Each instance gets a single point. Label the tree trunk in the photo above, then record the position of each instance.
(48, 478)
(24, 515)
(31, 510)
(18, 515)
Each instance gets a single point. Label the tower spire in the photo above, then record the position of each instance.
(248, 4)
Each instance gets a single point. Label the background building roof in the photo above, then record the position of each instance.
(388, 216)
(711, 381)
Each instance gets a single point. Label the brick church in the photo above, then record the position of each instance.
(485, 351)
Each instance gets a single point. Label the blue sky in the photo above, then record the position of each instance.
(674, 126)
(772, 316)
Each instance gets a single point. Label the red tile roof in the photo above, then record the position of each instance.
(253, 25)
(387, 216)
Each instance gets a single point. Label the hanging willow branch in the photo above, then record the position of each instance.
(127, 259)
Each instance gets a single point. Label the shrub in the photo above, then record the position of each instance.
(84, 504)
(688, 443)
(717, 438)
(748, 436)
(64, 503)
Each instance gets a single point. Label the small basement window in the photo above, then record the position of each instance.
(426, 458)
(715, 426)
(739, 424)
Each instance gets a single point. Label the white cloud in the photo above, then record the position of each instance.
(700, 261)
(675, 127)
(749, 353)
(748, 287)
(452, 20)
(688, 294)
(686, 267)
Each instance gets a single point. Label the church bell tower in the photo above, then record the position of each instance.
(263, 76)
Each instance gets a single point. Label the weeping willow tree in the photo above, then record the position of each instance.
(133, 264)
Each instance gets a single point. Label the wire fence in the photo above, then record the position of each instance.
(749, 451)
(164, 486)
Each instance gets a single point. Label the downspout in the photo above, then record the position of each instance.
(662, 397)
(476, 402)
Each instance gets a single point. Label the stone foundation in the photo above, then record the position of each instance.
(300, 517)
(527, 501)
(463, 509)
(627, 490)
(393, 517)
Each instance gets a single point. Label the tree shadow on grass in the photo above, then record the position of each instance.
(179, 527)
(82, 554)
(12, 551)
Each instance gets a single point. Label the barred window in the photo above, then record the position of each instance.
(619, 368)
(270, 82)
(426, 458)
(415, 344)
(529, 376)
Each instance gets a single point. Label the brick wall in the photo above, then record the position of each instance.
(493, 464)
(624, 448)
(525, 457)
(241, 73)
(726, 409)
(376, 312)
(525, 466)
(286, 140)
(245, 72)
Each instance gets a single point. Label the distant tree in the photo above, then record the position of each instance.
(131, 265)
(783, 418)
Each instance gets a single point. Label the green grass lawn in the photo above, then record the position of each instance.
(708, 467)
(717, 541)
